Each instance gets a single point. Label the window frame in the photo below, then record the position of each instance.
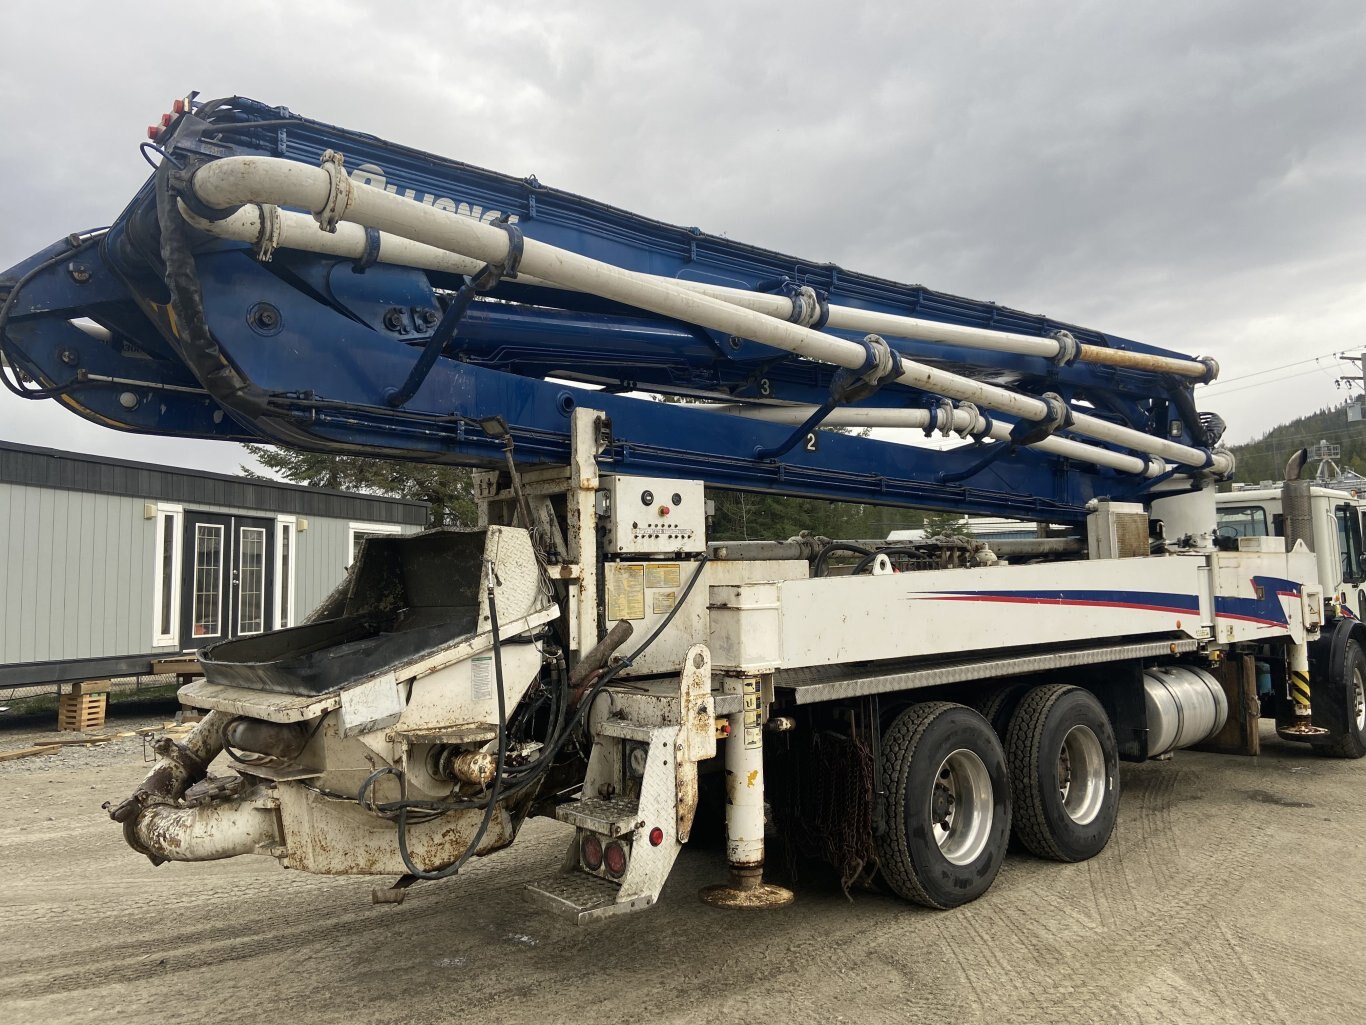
(352, 529)
(175, 514)
(285, 582)
(262, 607)
(224, 613)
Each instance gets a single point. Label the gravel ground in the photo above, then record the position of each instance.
(1229, 894)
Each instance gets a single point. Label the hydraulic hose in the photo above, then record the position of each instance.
(494, 788)
(818, 567)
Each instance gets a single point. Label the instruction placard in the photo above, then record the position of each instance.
(625, 586)
(663, 574)
(481, 677)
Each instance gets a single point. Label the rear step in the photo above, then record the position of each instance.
(642, 773)
(583, 898)
(609, 816)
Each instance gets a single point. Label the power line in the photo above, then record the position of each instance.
(1270, 370)
(1263, 384)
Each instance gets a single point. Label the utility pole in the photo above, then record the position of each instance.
(1354, 407)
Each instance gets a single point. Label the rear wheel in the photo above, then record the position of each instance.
(999, 705)
(1064, 773)
(946, 810)
(1352, 744)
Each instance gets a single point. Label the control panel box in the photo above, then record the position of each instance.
(653, 515)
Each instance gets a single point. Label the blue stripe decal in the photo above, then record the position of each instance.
(1266, 608)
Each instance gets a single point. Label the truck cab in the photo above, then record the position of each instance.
(1256, 512)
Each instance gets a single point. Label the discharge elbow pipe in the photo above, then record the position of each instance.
(231, 182)
(207, 832)
(179, 766)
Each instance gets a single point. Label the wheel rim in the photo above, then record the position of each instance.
(961, 807)
(1359, 700)
(1081, 775)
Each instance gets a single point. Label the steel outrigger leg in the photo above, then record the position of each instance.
(745, 807)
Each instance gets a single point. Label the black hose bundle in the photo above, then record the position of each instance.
(508, 782)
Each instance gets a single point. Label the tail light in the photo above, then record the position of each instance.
(590, 851)
(615, 857)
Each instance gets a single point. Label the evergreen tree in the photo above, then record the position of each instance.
(448, 490)
(1264, 458)
(946, 523)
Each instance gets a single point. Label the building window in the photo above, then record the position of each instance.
(360, 531)
(251, 580)
(286, 528)
(166, 582)
(208, 580)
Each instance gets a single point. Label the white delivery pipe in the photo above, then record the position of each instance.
(849, 318)
(233, 181)
(293, 230)
(301, 231)
(963, 421)
(290, 230)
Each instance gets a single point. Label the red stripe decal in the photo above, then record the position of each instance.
(1017, 600)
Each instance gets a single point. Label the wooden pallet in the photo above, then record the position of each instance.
(81, 713)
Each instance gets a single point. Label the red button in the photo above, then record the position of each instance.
(664, 510)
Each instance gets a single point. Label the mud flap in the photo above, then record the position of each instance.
(1241, 734)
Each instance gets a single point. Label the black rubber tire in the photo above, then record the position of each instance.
(913, 749)
(1034, 744)
(1352, 744)
(998, 706)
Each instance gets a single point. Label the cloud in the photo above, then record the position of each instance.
(1187, 175)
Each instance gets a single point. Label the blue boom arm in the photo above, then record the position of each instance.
(159, 328)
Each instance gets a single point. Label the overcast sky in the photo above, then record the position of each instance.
(1187, 174)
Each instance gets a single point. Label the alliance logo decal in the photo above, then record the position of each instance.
(373, 175)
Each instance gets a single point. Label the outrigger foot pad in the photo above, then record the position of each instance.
(758, 897)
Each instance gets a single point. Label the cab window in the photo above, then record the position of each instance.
(1349, 545)
(1242, 521)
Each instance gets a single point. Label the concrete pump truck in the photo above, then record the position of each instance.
(588, 652)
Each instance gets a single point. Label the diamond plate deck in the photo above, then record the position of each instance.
(582, 898)
(611, 817)
(828, 684)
